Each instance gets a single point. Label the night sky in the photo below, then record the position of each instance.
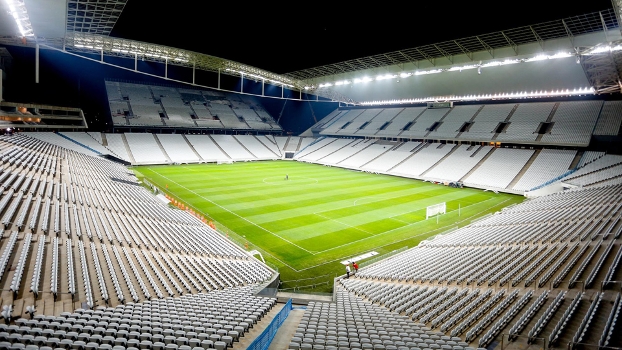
(280, 39)
(299, 35)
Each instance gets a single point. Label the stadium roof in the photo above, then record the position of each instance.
(537, 33)
(96, 26)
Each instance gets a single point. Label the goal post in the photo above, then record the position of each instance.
(435, 209)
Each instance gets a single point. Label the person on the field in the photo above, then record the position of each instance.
(286, 177)
(348, 271)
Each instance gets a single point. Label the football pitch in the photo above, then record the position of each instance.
(306, 218)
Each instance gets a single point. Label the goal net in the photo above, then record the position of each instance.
(435, 209)
(218, 162)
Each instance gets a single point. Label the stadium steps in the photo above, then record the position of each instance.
(548, 120)
(440, 120)
(476, 151)
(333, 140)
(376, 157)
(399, 145)
(299, 144)
(524, 169)
(263, 141)
(573, 324)
(414, 151)
(576, 160)
(350, 144)
(616, 342)
(392, 119)
(550, 117)
(581, 278)
(478, 164)
(471, 120)
(599, 321)
(504, 330)
(550, 326)
(441, 160)
(359, 151)
(602, 272)
(192, 148)
(287, 330)
(157, 140)
(220, 148)
(127, 149)
(243, 146)
(507, 119)
(287, 143)
(534, 319)
(259, 327)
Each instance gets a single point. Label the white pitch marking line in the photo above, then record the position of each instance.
(399, 228)
(279, 182)
(229, 211)
(407, 238)
(343, 223)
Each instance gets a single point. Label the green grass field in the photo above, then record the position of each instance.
(322, 215)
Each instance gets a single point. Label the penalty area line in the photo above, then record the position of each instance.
(402, 227)
(231, 212)
(401, 240)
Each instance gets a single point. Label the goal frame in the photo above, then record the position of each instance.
(436, 209)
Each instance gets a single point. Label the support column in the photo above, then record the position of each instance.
(37, 64)
(194, 67)
(218, 78)
(135, 62)
(166, 69)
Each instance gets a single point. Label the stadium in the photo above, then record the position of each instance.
(463, 192)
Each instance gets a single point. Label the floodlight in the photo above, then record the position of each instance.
(537, 58)
(17, 9)
(560, 55)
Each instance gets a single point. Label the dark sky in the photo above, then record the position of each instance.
(303, 34)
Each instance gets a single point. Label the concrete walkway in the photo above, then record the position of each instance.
(286, 331)
(254, 332)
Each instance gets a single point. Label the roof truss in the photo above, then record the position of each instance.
(568, 27)
(93, 16)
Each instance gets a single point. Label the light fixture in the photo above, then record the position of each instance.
(482, 97)
(17, 9)
(478, 66)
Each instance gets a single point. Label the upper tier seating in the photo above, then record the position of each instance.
(609, 121)
(574, 122)
(147, 105)
(527, 122)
